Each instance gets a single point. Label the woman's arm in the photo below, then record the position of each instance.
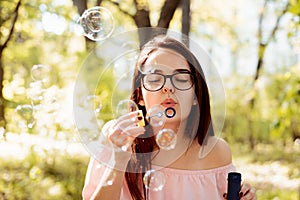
(96, 186)
(111, 192)
(112, 158)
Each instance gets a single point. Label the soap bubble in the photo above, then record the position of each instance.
(40, 73)
(166, 139)
(26, 112)
(154, 180)
(155, 116)
(97, 23)
(124, 107)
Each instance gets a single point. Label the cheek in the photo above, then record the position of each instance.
(150, 99)
(185, 102)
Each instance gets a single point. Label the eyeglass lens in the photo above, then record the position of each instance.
(155, 81)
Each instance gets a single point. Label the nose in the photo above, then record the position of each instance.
(167, 90)
(168, 87)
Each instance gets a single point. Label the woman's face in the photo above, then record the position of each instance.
(168, 62)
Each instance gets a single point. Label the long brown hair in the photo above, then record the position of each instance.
(199, 118)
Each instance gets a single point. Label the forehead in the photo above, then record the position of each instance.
(165, 60)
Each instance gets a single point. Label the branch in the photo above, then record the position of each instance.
(81, 5)
(98, 2)
(261, 17)
(263, 45)
(167, 13)
(277, 22)
(123, 11)
(16, 14)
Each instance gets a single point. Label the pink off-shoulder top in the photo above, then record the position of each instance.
(180, 184)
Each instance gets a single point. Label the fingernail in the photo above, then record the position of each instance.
(140, 118)
(241, 194)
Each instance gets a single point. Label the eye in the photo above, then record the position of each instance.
(183, 78)
(154, 77)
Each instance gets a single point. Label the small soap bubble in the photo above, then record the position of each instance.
(155, 116)
(166, 139)
(40, 73)
(26, 112)
(124, 107)
(97, 23)
(154, 180)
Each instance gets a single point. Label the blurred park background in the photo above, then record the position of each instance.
(255, 45)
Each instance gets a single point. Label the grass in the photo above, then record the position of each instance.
(57, 175)
(272, 168)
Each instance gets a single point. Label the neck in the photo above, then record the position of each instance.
(167, 157)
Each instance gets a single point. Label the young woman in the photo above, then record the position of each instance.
(167, 75)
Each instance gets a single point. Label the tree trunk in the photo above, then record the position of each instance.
(186, 21)
(167, 13)
(2, 47)
(261, 54)
(2, 106)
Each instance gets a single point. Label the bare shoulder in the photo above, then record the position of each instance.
(223, 148)
(220, 154)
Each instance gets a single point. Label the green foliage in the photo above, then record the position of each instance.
(295, 7)
(55, 176)
(275, 115)
(286, 118)
(266, 155)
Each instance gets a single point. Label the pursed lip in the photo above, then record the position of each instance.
(168, 103)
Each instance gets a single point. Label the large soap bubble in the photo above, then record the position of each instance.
(109, 70)
(154, 180)
(166, 139)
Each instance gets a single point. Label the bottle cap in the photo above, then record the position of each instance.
(234, 176)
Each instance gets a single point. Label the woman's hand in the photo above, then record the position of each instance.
(124, 130)
(246, 193)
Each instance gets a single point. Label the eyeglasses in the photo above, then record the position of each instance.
(156, 81)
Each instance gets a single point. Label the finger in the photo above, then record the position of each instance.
(133, 132)
(132, 115)
(248, 192)
(225, 196)
(125, 121)
(245, 188)
(120, 138)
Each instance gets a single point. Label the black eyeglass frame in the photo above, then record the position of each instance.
(171, 79)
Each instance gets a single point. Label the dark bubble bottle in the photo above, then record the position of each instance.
(234, 186)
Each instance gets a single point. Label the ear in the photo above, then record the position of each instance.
(195, 102)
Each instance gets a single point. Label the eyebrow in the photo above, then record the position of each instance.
(161, 71)
(182, 70)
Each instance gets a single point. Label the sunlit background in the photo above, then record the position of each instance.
(44, 44)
